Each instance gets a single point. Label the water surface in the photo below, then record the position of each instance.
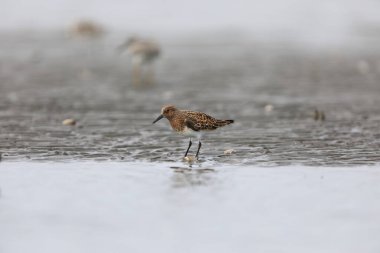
(144, 207)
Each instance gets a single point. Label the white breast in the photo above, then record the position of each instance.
(189, 132)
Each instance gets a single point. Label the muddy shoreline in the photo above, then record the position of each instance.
(46, 80)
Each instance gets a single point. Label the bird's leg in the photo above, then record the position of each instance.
(136, 74)
(199, 147)
(150, 75)
(188, 147)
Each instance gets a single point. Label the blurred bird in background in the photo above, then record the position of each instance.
(85, 29)
(143, 53)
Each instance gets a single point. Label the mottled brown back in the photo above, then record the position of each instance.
(200, 121)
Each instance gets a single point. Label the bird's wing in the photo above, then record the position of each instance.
(190, 124)
(200, 121)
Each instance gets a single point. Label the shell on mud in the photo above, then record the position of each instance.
(229, 151)
(268, 108)
(69, 122)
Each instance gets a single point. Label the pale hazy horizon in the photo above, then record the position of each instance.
(321, 20)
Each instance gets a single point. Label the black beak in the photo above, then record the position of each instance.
(159, 117)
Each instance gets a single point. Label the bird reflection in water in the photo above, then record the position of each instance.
(189, 177)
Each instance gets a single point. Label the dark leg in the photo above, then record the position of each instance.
(136, 74)
(188, 147)
(199, 147)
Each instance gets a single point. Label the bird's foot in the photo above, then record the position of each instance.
(190, 159)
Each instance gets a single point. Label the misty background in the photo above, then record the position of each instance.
(323, 22)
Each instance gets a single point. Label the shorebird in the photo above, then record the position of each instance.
(143, 53)
(86, 29)
(190, 123)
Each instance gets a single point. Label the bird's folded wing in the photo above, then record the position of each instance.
(200, 121)
(190, 124)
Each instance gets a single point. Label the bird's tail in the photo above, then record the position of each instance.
(226, 122)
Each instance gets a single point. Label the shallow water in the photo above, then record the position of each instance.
(166, 207)
(47, 78)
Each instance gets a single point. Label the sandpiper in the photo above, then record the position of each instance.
(190, 123)
(86, 29)
(143, 52)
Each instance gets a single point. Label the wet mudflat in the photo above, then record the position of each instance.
(47, 78)
(114, 181)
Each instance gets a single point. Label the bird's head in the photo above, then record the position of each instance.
(167, 111)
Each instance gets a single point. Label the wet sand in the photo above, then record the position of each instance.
(46, 79)
(114, 181)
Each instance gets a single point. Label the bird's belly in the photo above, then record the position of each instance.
(191, 133)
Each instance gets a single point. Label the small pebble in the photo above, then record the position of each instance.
(229, 151)
(268, 108)
(69, 122)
